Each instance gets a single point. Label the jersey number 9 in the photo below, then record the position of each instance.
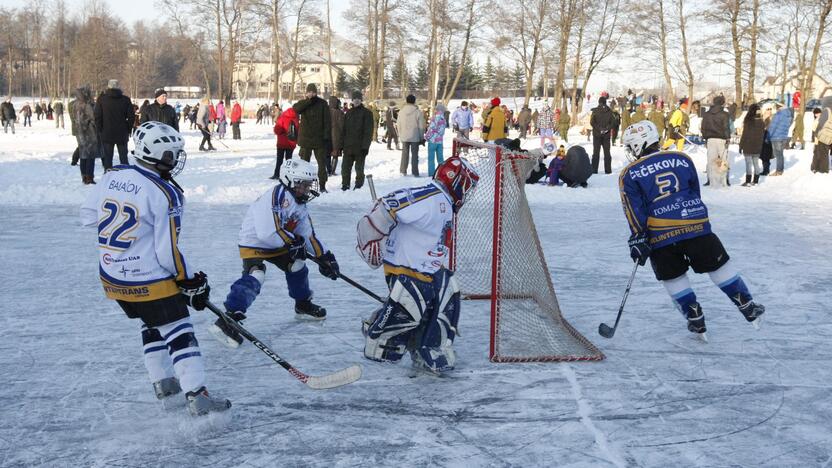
(119, 221)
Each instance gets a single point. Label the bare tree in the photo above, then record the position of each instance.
(522, 33)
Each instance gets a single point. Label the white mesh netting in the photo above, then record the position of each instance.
(526, 323)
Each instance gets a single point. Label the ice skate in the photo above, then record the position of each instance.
(167, 387)
(200, 403)
(225, 334)
(696, 321)
(753, 313)
(307, 310)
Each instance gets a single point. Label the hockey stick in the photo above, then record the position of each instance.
(604, 329)
(372, 187)
(336, 379)
(351, 282)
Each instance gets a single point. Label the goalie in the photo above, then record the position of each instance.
(408, 232)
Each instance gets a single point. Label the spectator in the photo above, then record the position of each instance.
(823, 138)
(616, 122)
(86, 127)
(535, 116)
(177, 109)
(160, 111)
(778, 134)
(546, 124)
(221, 119)
(38, 110)
(656, 116)
(716, 132)
(203, 123)
(677, 126)
(374, 109)
(137, 116)
(524, 118)
(49, 111)
(564, 122)
(59, 114)
(494, 124)
(435, 136)
(114, 119)
(315, 130)
(8, 115)
(286, 129)
(411, 129)
(391, 134)
(766, 152)
(142, 110)
(357, 134)
(212, 116)
(26, 110)
(186, 112)
(463, 121)
(192, 116)
(751, 144)
(259, 113)
(602, 123)
(336, 143)
(73, 127)
(236, 118)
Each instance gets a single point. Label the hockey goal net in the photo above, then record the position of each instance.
(496, 255)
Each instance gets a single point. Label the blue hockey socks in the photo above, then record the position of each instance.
(731, 283)
(298, 284)
(243, 292)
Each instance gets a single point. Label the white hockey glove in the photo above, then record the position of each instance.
(371, 231)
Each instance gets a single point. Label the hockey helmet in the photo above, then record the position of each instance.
(638, 137)
(457, 177)
(160, 146)
(301, 178)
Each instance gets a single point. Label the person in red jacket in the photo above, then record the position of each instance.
(236, 117)
(212, 114)
(286, 128)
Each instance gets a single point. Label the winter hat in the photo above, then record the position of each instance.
(495, 101)
(159, 92)
(357, 95)
(112, 84)
(311, 88)
(441, 108)
(411, 99)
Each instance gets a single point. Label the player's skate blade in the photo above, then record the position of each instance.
(200, 403)
(225, 334)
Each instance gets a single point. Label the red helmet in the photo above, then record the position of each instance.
(457, 177)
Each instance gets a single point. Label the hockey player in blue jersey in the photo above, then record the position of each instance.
(138, 211)
(408, 232)
(670, 226)
(277, 229)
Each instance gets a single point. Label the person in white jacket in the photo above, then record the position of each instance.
(411, 128)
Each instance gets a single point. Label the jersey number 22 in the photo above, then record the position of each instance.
(120, 220)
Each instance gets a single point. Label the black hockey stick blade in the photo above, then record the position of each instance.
(605, 330)
(338, 378)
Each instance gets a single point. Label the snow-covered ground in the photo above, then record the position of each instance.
(75, 392)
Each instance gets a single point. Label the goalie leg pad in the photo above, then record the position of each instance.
(156, 357)
(394, 324)
(438, 331)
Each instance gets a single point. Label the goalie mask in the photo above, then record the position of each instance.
(160, 146)
(638, 137)
(301, 178)
(457, 177)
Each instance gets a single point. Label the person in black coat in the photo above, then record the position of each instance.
(114, 121)
(160, 111)
(356, 137)
(8, 114)
(716, 132)
(602, 122)
(751, 144)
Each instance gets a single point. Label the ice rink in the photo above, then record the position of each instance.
(76, 393)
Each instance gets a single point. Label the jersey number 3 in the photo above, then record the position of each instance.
(119, 221)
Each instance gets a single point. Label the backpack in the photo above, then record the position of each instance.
(825, 133)
(292, 132)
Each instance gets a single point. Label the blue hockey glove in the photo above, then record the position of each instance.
(639, 248)
(196, 290)
(328, 266)
(297, 249)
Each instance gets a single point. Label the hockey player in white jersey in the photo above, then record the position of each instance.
(408, 233)
(277, 229)
(138, 212)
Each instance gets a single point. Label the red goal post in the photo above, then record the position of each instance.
(496, 255)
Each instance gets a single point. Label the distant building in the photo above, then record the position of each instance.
(773, 84)
(254, 79)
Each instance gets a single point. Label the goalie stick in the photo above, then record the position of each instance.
(318, 382)
(604, 329)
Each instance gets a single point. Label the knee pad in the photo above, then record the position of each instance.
(388, 334)
(243, 292)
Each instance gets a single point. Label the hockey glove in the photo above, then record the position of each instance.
(328, 266)
(639, 248)
(195, 290)
(297, 249)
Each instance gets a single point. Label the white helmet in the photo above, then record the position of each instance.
(161, 146)
(638, 137)
(301, 177)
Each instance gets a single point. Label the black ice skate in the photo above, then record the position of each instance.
(225, 333)
(752, 313)
(200, 403)
(307, 310)
(696, 321)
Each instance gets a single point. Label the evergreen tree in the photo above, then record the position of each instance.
(489, 76)
(400, 77)
(421, 75)
(343, 83)
(362, 77)
(518, 80)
